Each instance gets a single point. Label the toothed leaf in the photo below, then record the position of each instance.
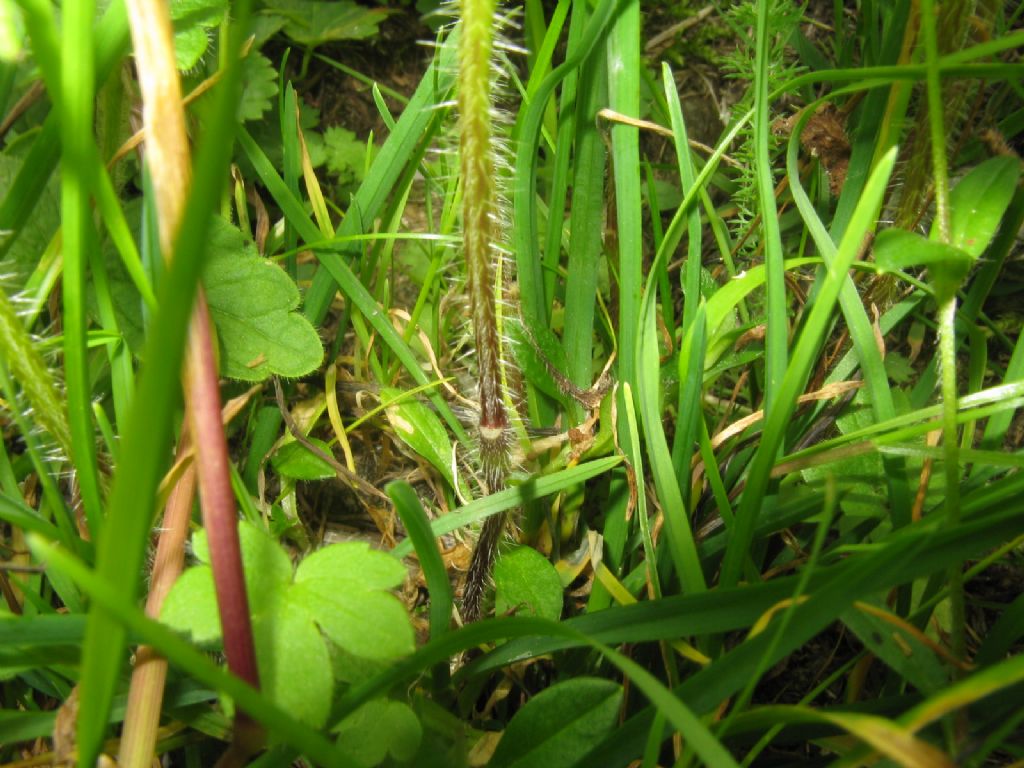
(252, 303)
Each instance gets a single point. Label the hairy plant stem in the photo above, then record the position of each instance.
(481, 237)
(951, 456)
(947, 322)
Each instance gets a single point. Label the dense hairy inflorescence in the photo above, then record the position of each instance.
(482, 234)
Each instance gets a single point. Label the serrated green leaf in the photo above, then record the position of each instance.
(526, 583)
(193, 20)
(346, 154)
(420, 429)
(978, 202)
(259, 86)
(559, 725)
(293, 661)
(378, 728)
(251, 302)
(296, 461)
(310, 22)
(342, 587)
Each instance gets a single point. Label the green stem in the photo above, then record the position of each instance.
(936, 118)
(947, 318)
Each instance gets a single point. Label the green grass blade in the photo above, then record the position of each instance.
(524, 194)
(343, 277)
(417, 526)
(517, 496)
(624, 97)
(777, 333)
(586, 229)
(795, 379)
(419, 121)
(861, 332)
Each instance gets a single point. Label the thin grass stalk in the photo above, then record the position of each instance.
(777, 333)
(869, 356)
(75, 100)
(145, 693)
(481, 244)
(586, 227)
(947, 322)
(168, 160)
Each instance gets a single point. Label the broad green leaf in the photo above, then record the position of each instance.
(978, 202)
(192, 602)
(947, 265)
(525, 582)
(311, 22)
(337, 591)
(251, 302)
(378, 728)
(559, 725)
(296, 461)
(421, 430)
(191, 606)
(342, 586)
(12, 33)
(33, 238)
(293, 660)
(193, 20)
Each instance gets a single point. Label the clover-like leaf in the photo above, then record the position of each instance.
(293, 661)
(526, 582)
(378, 728)
(342, 586)
(339, 592)
(191, 606)
(252, 303)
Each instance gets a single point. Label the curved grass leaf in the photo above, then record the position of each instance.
(557, 724)
(417, 526)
